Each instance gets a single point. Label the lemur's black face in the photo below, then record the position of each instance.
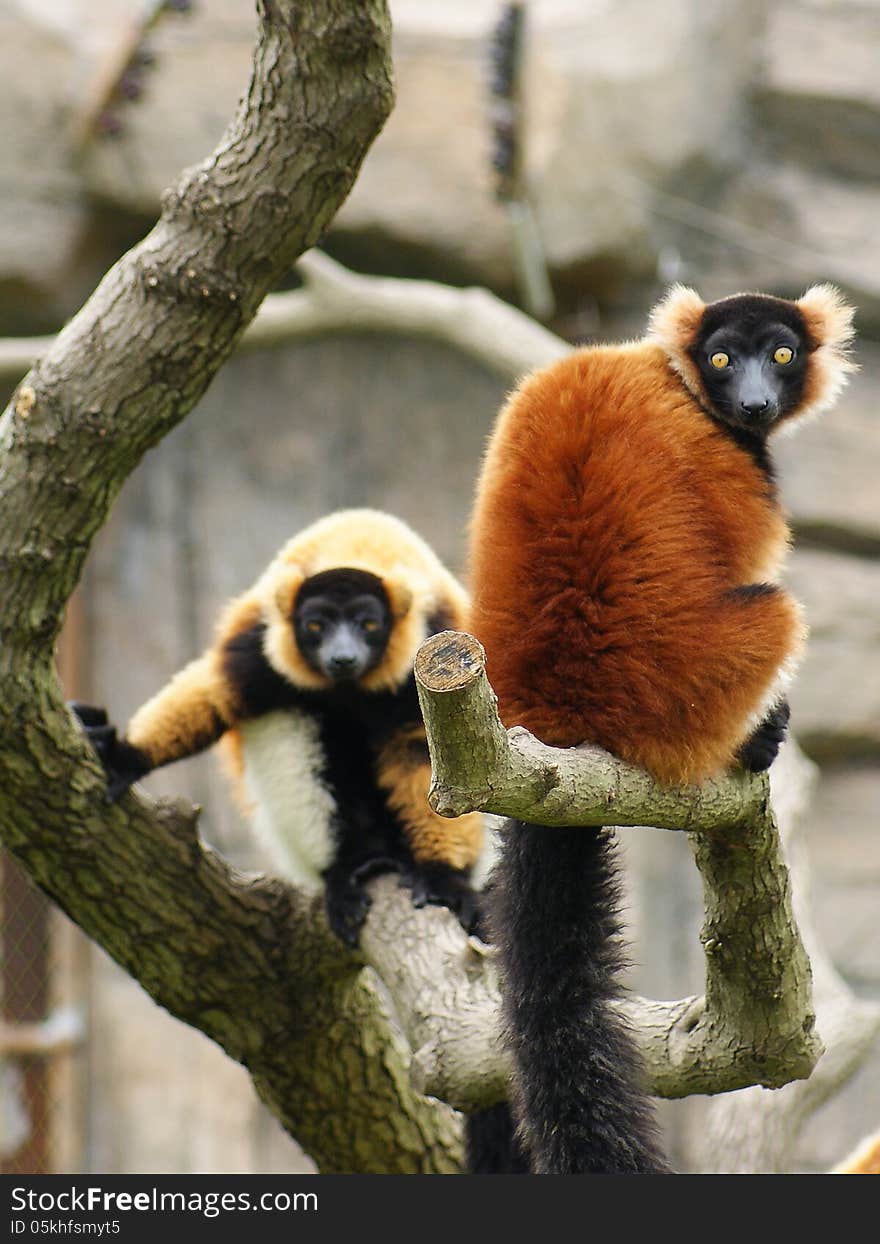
(342, 623)
(752, 351)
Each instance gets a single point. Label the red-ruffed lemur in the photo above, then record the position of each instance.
(309, 683)
(625, 544)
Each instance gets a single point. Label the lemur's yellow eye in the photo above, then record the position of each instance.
(314, 628)
(720, 360)
(783, 355)
(370, 624)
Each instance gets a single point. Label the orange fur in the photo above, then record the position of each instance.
(404, 773)
(416, 581)
(612, 520)
(187, 715)
(198, 707)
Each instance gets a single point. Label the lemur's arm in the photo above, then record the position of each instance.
(189, 714)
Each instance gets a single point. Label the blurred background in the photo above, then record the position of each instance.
(731, 144)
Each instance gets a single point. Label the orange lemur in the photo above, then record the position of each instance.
(624, 549)
(309, 682)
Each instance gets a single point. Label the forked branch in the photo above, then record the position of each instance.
(755, 1023)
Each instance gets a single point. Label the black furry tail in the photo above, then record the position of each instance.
(578, 1077)
(491, 1146)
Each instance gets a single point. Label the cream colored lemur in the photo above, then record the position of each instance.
(309, 685)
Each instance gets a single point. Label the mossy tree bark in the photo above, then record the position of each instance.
(245, 962)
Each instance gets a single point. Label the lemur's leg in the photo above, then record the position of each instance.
(345, 898)
(760, 750)
(443, 850)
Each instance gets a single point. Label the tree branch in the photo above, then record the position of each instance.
(333, 299)
(755, 1131)
(755, 1024)
(245, 961)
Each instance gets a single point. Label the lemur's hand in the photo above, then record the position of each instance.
(123, 763)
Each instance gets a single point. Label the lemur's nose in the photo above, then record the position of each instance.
(754, 407)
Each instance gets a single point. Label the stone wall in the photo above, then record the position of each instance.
(730, 143)
(718, 138)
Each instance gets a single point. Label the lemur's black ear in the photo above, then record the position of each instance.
(829, 322)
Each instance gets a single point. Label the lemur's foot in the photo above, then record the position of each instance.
(759, 751)
(347, 905)
(444, 886)
(346, 900)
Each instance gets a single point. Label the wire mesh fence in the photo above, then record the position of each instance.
(43, 990)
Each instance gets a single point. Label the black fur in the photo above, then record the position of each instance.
(258, 687)
(749, 314)
(342, 582)
(577, 1070)
(123, 763)
(748, 329)
(355, 725)
(753, 591)
(759, 751)
(491, 1146)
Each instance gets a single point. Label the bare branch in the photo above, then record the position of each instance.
(756, 1131)
(333, 299)
(755, 1024)
(474, 320)
(480, 765)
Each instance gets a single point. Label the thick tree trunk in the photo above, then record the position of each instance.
(243, 961)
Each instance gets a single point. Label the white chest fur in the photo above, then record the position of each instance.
(293, 809)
